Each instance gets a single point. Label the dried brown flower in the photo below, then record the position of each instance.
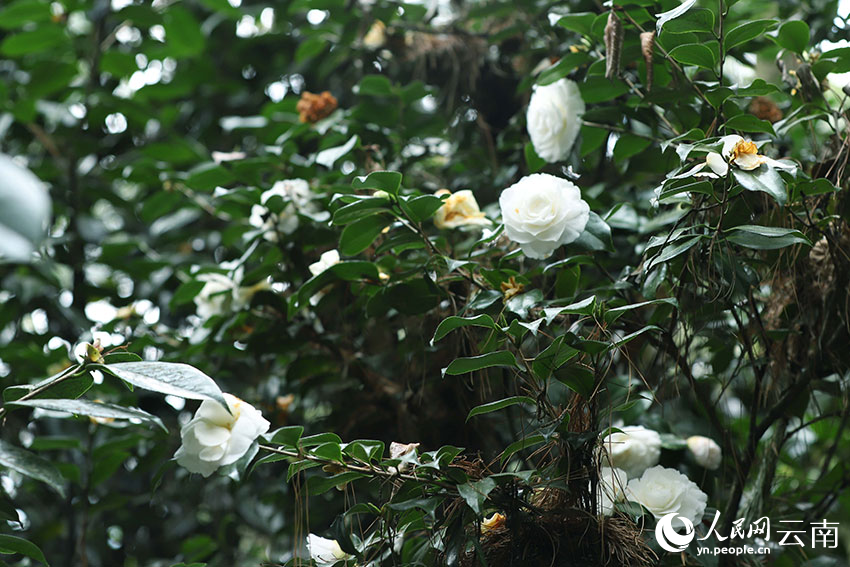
(613, 45)
(313, 107)
(765, 109)
(647, 46)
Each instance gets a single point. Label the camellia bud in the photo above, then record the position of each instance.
(94, 352)
(613, 45)
(647, 46)
(706, 452)
(381, 194)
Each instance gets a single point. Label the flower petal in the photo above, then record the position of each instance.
(717, 164)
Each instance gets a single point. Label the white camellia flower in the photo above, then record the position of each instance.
(400, 450)
(326, 260)
(665, 491)
(706, 452)
(736, 151)
(459, 209)
(542, 212)
(633, 449)
(554, 119)
(213, 298)
(297, 197)
(214, 438)
(222, 293)
(325, 552)
(612, 488)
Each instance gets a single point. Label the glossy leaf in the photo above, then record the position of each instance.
(31, 465)
(169, 378)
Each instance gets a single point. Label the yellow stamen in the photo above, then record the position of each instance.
(744, 147)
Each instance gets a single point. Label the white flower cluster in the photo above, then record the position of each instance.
(634, 475)
(297, 199)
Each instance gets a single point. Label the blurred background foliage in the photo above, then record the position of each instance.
(158, 125)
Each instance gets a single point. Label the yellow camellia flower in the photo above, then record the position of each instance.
(497, 520)
(460, 209)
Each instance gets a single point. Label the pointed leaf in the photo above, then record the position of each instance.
(31, 465)
(472, 363)
(92, 409)
(169, 378)
(496, 406)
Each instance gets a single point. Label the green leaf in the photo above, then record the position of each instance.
(309, 48)
(764, 179)
(694, 54)
(346, 271)
(562, 68)
(208, 176)
(31, 465)
(358, 209)
(328, 451)
(745, 32)
(596, 235)
(187, 292)
(320, 485)
(631, 336)
(615, 313)
(376, 85)
(449, 324)
(38, 40)
(24, 211)
(68, 388)
(533, 161)
(465, 365)
(679, 10)
(24, 12)
(298, 466)
(696, 20)
(329, 156)
(629, 145)
(359, 235)
(169, 378)
(11, 544)
(553, 357)
(289, 435)
(794, 36)
(766, 237)
(596, 88)
(496, 406)
(92, 409)
(670, 252)
(580, 22)
(183, 36)
(749, 123)
(520, 445)
(420, 208)
(319, 439)
(389, 181)
(583, 307)
(106, 466)
(475, 493)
